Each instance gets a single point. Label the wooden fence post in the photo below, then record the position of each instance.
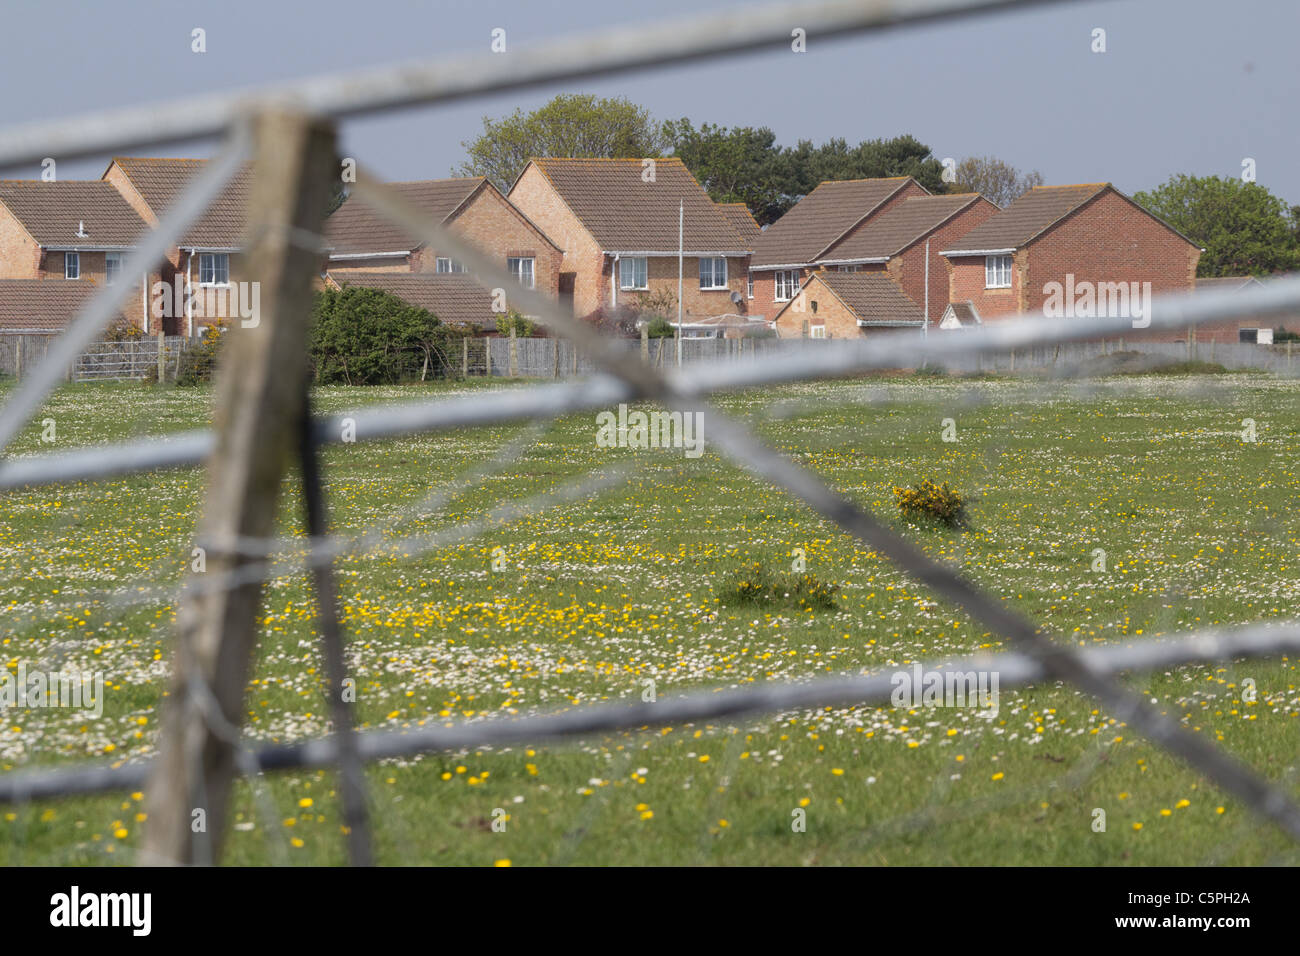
(162, 358)
(645, 342)
(464, 357)
(555, 348)
(514, 351)
(20, 343)
(260, 401)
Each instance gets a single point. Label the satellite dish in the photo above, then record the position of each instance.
(736, 298)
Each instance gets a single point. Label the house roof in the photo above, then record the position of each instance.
(451, 296)
(964, 312)
(1027, 217)
(742, 220)
(820, 219)
(161, 181)
(40, 305)
(899, 226)
(356, 228)
(52, 212)
(873, 297)
(625, 213)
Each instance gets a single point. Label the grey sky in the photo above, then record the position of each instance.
(1188, 86)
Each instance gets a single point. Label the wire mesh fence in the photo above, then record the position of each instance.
(266, 425)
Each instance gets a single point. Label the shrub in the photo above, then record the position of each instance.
(368, 337)
(123, 331)
(199, 361)
(522, 326)
(755, 585)
(928, 500)
(660, 328)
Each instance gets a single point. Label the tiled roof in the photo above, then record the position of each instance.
(872, 296)
(625, 213)
(42, 304)
(742, 220)
(161, 181)
(898, 227)
(820, 218)
(52, 212)
(1026, 217)
(356, 228)
(451, 296)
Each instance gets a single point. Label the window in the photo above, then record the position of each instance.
(449, 265)
(522, 269)
(72, 265)
(713, 273)
(632, 273)
(817, 331)
(997, 272)
(787, 284)
(856, 268)
(112, 267)
(214, 268)
(749, 286)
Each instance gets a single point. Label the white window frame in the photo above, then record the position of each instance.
(851, 268)
(72, 265)
(112, 267)
(997, 272)
(712, 265)
(516, 266)
(210, 260)
(639, 264)
(817, 331)
(788, 278)
(749, 286)
(446, 264)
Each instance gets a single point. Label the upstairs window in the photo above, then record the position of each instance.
(72, 265)
(112, 267)
(997, 272)
(449, 265)
(787, 284)
(633, 273)
(522, 269)
(713, 273)
(214, 268)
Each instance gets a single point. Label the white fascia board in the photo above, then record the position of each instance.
(788, 265)
(886, 323)
(87, 248)
(978, 252)
(674, 254)
(369, 255)
(193, 249)
(852, 262)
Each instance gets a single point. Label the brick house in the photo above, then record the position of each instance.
(617, 222)
(844, 305)
(362, 240)
(205, 264)
(791, 248)
(70, 231)
(895, 241)
(1061, 250)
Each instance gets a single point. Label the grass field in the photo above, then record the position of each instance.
(1199, 528)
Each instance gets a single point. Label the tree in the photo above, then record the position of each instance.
(741, 164)
(998, 182)
(514, 319)
(1244, 228)
(569, 125)
(368, 337)
(744, 164)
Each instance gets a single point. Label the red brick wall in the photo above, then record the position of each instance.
(492, 224)
(908, 268)
(661, 276)
(1107, 240)
(19, 253)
